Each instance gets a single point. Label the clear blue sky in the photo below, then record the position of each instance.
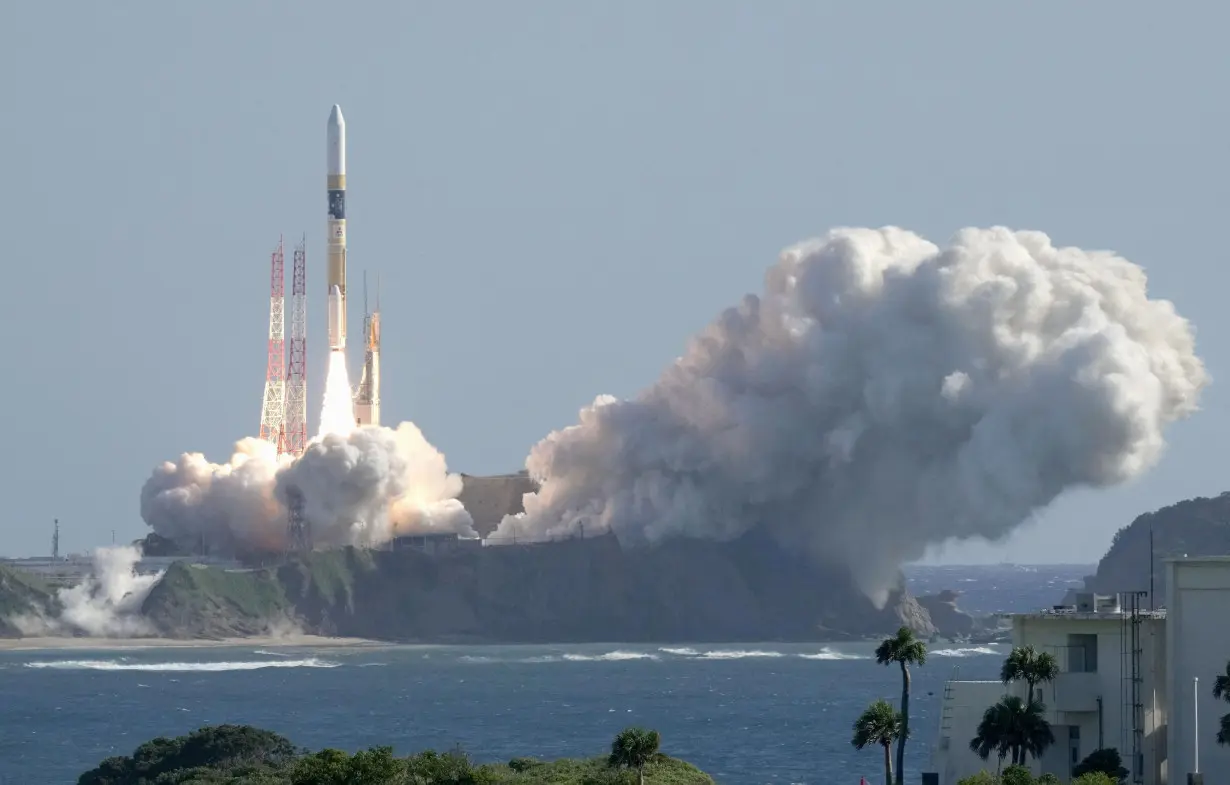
(556, 195)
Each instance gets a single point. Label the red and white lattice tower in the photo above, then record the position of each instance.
(274, 410)
(296, 372)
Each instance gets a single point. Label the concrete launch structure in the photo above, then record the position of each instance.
(336, 186)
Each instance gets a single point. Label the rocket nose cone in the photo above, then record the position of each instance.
(335, 116)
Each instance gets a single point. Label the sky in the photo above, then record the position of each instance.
(555, 195)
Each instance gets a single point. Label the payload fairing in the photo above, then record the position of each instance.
(337, 230)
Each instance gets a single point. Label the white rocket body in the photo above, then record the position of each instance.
(337, 229)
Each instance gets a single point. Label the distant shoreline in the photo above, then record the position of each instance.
(104, 644)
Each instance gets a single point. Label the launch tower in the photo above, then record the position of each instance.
(273, 412)
(295, 441)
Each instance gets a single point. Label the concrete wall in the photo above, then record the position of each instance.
(963, 705)
(489, 499)
(1198, 644)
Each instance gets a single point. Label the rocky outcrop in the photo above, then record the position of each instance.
(951, 621)
(582, 590)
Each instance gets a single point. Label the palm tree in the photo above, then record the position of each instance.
(1013, 726)
(903, 649)
(1221, 691)
(879, 724)
(1028, 665)
(633, 748)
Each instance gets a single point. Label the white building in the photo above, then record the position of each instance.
(1126, 681)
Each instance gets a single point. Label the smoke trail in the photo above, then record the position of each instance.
(106, 604)
(883, 395)
(359, 488)
(337, 413)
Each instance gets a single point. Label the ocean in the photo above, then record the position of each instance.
(747, 714)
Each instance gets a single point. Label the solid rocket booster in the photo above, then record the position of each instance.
(337, 319)
(337, 229)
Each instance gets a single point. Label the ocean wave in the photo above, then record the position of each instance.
(738, 654)
(828, 654)
(970, 651)
(610, 656)
(684, 652)
(179, 667)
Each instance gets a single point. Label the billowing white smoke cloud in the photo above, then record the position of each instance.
(883, 395)
(360, 488)
(107, 604)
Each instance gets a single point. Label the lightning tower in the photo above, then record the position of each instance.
(367, 396)
(295, 441)
(273, 411)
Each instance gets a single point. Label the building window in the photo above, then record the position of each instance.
(1083, 653)
(1074, 744)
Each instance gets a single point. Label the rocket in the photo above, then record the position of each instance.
(337, 229)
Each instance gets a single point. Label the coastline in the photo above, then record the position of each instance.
(125, 644)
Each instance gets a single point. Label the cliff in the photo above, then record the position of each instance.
(1195, 527)
(571, 591)
(22, 594)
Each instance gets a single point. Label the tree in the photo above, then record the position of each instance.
(1221, 691)
(1104, 761)
(632, 749)
(879, 724)
(905, 650)
(1094, 778)
(1028, 665)
(221, 747)
(1013, 726)
(1016, 775)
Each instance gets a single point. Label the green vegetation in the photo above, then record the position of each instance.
(1105, 761)
(879, 724)
(242, 755)
(904, 650)
(1196, 527)
(214, 602)
(634, 749)
(1013, 726)
(329, 575)
(1027, 665)
(1019, 775)
(1221, 691)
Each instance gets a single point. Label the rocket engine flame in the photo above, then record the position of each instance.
(337, 413)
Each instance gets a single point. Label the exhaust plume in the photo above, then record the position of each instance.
(881, 396)
(362, 487)
(106, 604)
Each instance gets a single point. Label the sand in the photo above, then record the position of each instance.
(265, 642)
